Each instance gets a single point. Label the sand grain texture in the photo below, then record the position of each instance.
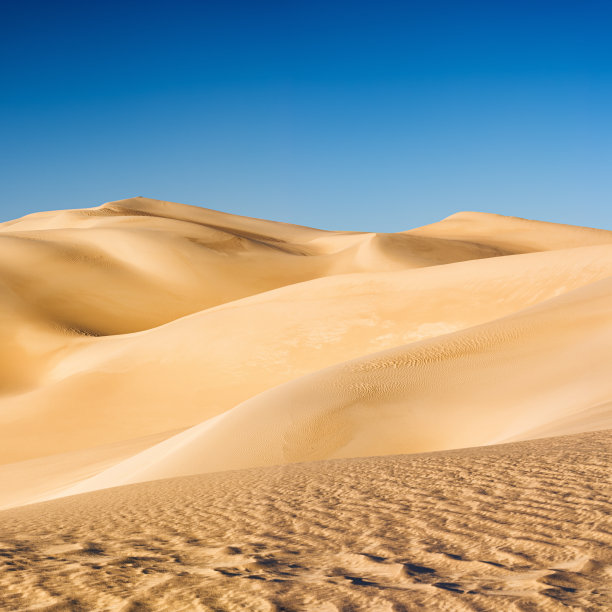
(522, 526)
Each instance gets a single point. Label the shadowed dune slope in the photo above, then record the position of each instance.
(543, 367)
(511, 527)
(138, 263)
(119, 269)
(206, 363)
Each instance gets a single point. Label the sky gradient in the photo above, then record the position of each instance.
(374, 116)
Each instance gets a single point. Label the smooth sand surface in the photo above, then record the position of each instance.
(523, 526)
(144, 340)
(36, 479)
(543, 365)
(511, 233)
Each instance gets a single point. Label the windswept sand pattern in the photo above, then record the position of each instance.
(522, 526)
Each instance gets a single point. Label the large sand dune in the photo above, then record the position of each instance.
(209, 362)
(143, 339)
(545, 366)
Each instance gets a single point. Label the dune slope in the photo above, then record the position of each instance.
(209, 362)
(546, 366)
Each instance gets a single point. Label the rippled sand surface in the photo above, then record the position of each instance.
(519, 526)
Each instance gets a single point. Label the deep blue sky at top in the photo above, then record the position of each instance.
(375, 116)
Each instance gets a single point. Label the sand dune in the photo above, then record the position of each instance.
(142, 340)
(207, 363)
(512, 527)
(512, 233)
(211, 361)
(544, 366)
(131, 265)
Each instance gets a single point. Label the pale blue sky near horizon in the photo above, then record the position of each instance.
(372, 116)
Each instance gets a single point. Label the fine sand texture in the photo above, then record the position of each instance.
(203, 411)
(522, 526)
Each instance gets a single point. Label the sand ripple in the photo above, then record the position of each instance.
(520, 526)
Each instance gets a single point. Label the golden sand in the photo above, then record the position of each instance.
(145, 340)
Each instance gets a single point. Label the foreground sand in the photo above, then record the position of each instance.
(519, 526)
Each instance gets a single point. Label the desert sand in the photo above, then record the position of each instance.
(509, 527)
(212, 412)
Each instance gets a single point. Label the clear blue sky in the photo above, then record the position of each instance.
(376, 116)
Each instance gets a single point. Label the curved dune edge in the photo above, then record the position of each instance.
(27, 482)
(507, 527)
(548, 369)
(504, 232)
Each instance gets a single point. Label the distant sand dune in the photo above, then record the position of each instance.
(523, 235)
(135, 264)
